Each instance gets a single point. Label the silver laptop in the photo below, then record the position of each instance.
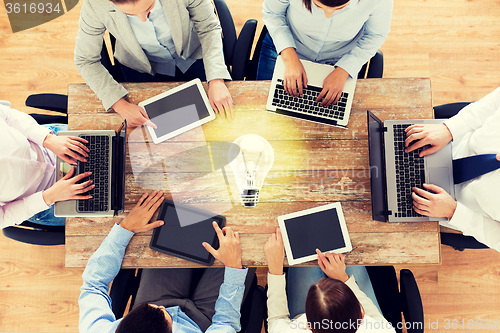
(393, 172)
(306, 107)
(106, 161)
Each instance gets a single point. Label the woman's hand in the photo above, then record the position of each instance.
(295, 74)
(333, 265)
(435, 135)
(67, 147)
(134, 114)
(220, 98)
(275, 253)
(333, 86)
(138, 218)
(437, 204)
(67, 188)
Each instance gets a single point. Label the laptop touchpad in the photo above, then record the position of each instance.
(440, 177)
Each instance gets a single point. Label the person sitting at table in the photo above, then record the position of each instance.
(344, 33)
(333, 302)
(156, 41)
(28, 163)
(473, 131)
(165, 300)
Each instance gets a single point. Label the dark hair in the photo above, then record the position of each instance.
(332, 300)
(328, 3)
(144, 319)
(121, 2)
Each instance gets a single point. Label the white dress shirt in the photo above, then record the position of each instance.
(348, 39)
(476, 130)
(156, 40)
(278, 316)
(27, 168)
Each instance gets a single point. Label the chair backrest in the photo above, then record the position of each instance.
(36, 234)
(228, 30)
(411, 302)
(251, 67)
(115, 69)
(374, 68)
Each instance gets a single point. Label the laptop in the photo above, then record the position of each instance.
(106, 161)
(393, 172)
(306, 107)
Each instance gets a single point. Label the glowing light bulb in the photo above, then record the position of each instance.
(251, 159)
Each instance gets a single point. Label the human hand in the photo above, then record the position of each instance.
(436, 135)
(134, 114)
(220, 98)
(275, 253)
(67, 188)
(333, 265)
(498, 157)
(229, 251)
(437, 204)
(333, 86)
(138, 218)
(295, 74)
(67, 146)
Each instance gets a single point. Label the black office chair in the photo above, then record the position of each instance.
(236, 49)
(126, 283)
(393, 300)
(457, 241)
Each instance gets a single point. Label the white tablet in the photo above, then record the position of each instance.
(320, 228)
(178, 110)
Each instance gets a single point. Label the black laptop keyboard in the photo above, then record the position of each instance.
(409, 172)
(307, 103)
(98, 164)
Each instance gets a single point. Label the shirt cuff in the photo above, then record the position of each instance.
(462, 217)
(120, 235)
(351, 282)
(37, 134)
(457, 126)
(36, 203)
(277, 281)
(235, 275)
(283, 41)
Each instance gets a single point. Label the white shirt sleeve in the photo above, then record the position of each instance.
(25, 124)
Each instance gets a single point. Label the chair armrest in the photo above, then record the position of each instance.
(461, 242)
(124, 285)
(412, 307)
(241, 56)
(228, 30)
(39, 236)
(52, 102)
(376, 68)
(446, 111)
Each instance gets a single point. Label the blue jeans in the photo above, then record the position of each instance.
(267, 59)
(299, 280)
(197, 70)
(47, 217)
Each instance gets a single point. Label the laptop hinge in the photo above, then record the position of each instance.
(384, 129)
(388, 212)
(117, 173)
(308, 117)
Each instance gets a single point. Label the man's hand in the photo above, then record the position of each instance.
(66, 188)
(295, 74)
(220, 98)
(67, 147)
(138, 218)
(332, 87)
(436, 135)
(229, 251)
(333, 265)
(134, 114)
(437, 204)
(275, 253)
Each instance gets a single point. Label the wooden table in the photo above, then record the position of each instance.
(314, 165)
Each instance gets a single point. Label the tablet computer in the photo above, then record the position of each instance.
(178, 110)
(320, 228)
(184, 230)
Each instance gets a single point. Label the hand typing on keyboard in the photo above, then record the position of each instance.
(437, 204)
(435, 135)
(332, 87)
(67, 148)
(295, 74)
(67, 188)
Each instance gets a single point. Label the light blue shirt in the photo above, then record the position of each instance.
(348, 39)
(103, 266)
(156, 40)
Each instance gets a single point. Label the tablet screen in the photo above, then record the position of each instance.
(177, 110)
(320, 230)
(175, 239)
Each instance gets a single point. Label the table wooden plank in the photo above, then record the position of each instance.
(372, 249)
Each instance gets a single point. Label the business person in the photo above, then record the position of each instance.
(473, 131)
(165, 305)
(156, 40)
(334, 303)
(344, 33)
(28, 156)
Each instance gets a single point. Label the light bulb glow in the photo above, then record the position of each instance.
(251, 159)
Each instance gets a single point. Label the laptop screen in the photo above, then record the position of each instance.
(377, 168)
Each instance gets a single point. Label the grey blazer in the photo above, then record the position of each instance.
(201, 41)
